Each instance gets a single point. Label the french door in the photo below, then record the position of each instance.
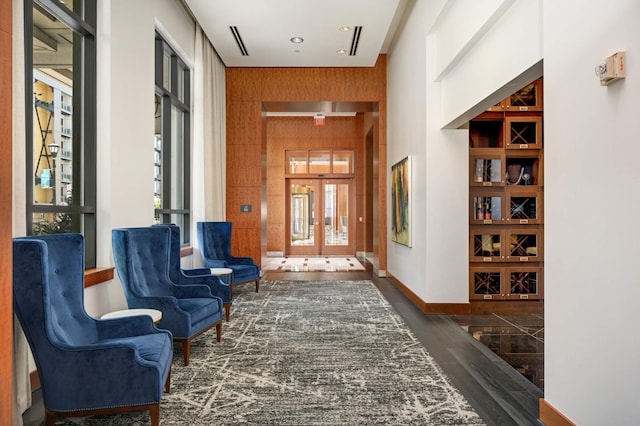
(320, 217)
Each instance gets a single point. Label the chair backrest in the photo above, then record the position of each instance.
(174, 250)
(48, 294)
(215, 240)
(141, 256)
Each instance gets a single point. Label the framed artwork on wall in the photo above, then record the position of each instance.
(400, 203)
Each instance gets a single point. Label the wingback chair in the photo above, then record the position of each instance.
(195, 275)
(142, 260)
(215, 245)
(86, 366)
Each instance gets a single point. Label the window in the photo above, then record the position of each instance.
(60, 55)
(322, 162)
(172, 139)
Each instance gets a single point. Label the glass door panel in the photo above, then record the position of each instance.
(486, 283)
(524, 282)
(524, 206)
(320, 219)
(302, 214)
(336, 207)
(529, 98)
(299, 223)
(487, 168)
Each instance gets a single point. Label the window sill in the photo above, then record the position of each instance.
(95, 276)
(186, 251)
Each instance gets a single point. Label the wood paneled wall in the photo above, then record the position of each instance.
(247, 167)
(6, 305)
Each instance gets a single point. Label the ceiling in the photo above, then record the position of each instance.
(363, 29)
(52, 46)
(258, 33)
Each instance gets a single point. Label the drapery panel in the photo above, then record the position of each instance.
(21, 354)
(209, 136)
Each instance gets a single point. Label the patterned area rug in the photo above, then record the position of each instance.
(310, 264)
(308, 353)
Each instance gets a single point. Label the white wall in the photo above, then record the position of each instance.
(412, 97)
(436, 79)
(488, 65)
(406, 135)
(126, 120)
(591, 213)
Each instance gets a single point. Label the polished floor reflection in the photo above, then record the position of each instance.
(311, 264)
(517, 339)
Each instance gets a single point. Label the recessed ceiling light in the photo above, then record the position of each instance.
(345, 29)
(341, 52)
(297, 39)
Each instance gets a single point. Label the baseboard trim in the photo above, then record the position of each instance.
(550, 416)
(431, 308)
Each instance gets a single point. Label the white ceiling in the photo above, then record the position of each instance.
(266, 27)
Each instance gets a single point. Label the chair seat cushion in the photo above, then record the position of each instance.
(156, 347)
(199, 308)
(242, 273)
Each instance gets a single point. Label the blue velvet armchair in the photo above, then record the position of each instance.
(215, 245)
(142, 261)
(195, 275)
(86, 366)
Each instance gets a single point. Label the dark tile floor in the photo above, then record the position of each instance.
(517, 339)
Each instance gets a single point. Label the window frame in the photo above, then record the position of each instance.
(84, 117)
(178, 95)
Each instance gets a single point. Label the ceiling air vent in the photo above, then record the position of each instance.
(356, 39)
(239, 42)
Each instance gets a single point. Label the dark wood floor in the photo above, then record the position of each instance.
(499, 394)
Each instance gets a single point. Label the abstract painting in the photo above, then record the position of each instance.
(400, 207)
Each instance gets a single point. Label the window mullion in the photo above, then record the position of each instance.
(166, 153)
(172, 82)
(69, 18)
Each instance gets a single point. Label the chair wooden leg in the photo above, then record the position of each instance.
(155, 415)
(257, 285)
(218, 331)
(186, 347)
(227, 310)
(167, 384)
(49, 418)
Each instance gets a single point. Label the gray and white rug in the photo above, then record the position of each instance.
(308, 353)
